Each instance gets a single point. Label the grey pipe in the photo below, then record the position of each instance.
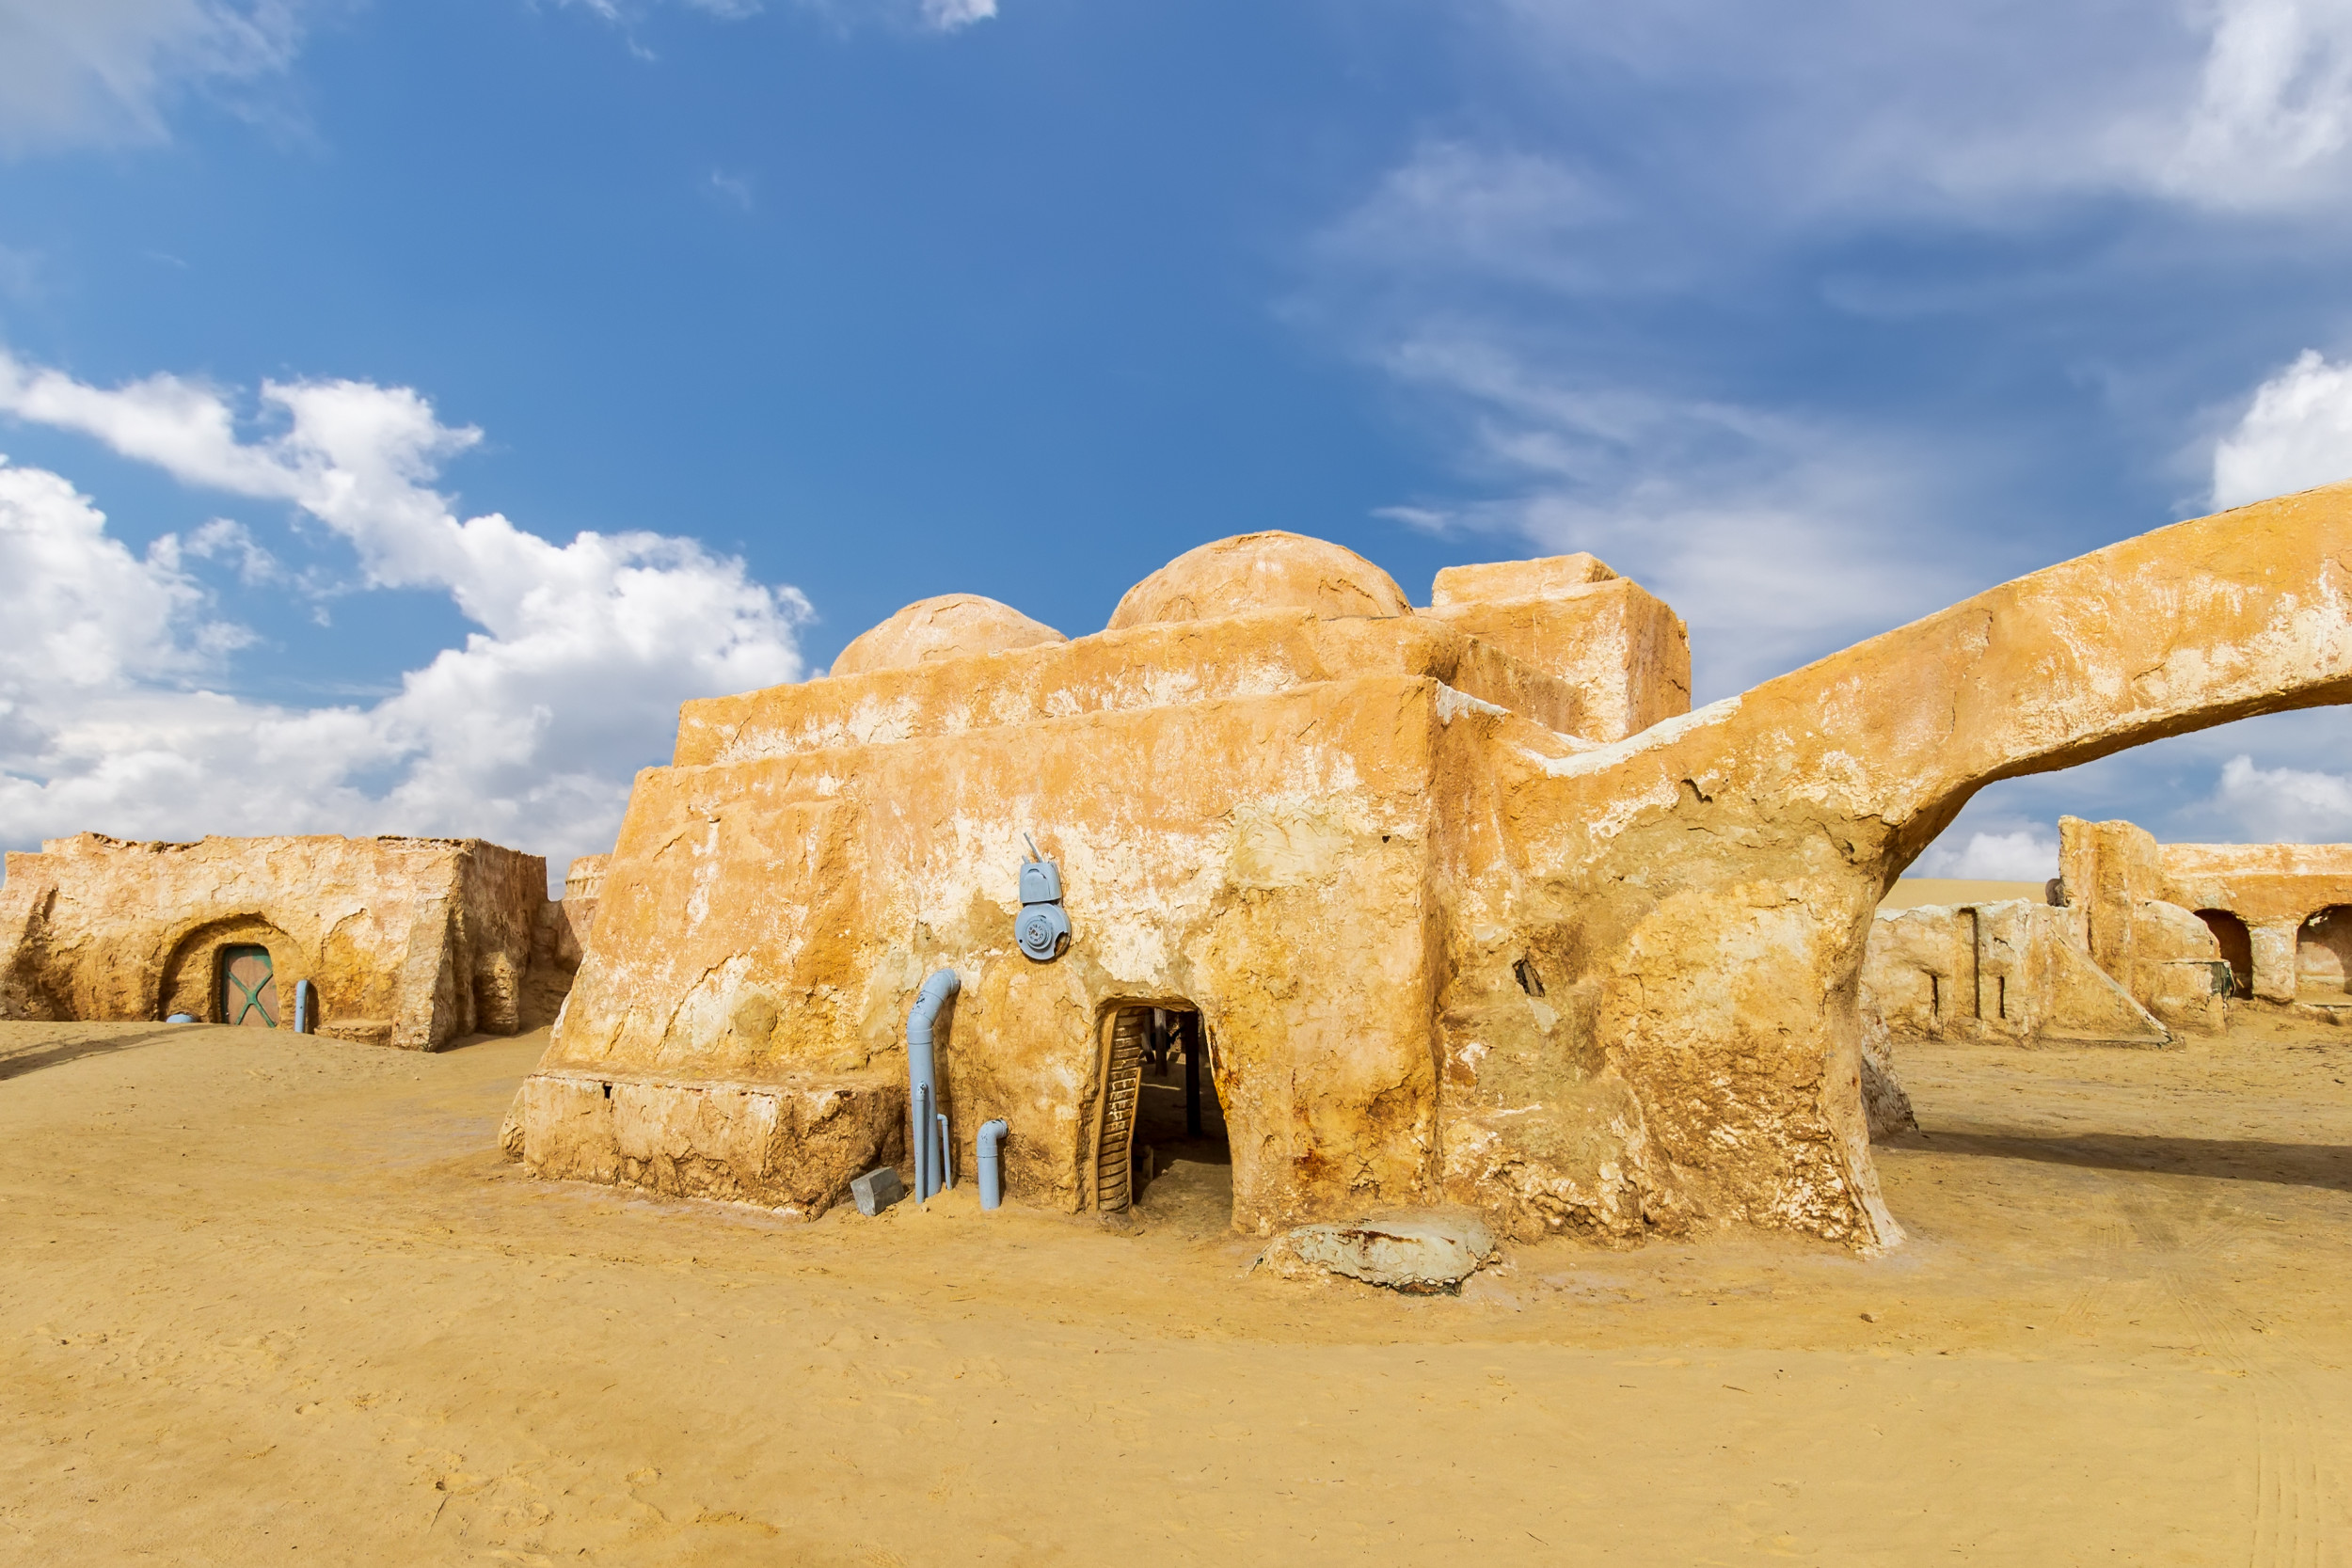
(306, 1008)
(989, 1150)
(922, 1081)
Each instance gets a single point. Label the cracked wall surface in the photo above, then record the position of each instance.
(410, 941)
(1473, 909)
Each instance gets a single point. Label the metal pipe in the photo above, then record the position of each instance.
(924, 1142)
(922, 1079)
(989, 1150)
(947, 1151)
(306, 1008)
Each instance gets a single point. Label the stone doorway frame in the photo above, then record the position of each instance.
(1121, 1036)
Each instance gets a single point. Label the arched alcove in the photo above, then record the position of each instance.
(2323, 957)
(2237, 948)
(197, 975)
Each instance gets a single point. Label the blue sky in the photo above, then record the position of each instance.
(1814, 319)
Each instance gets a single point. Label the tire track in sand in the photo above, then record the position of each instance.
(2289, 1526)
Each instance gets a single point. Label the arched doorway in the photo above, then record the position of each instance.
(2323, 957)
(2237, 948)
(1159, 1126)
(242, 970)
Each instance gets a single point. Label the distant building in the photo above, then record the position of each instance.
(409, 941)
(2146, 940)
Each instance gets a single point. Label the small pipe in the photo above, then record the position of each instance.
(989, 1150)
(306, 1008)
(923, 1143)
(947, 1150)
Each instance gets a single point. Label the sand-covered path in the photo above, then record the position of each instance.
(275, 1299)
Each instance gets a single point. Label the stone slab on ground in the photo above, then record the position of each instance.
(1420, 1252)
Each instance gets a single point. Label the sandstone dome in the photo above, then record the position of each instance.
(1260, 571)
(953, 626)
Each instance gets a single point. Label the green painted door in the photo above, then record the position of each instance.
(248, 991)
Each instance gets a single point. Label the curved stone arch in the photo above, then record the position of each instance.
(189, 981)
(2322, 955)
(1716, 874)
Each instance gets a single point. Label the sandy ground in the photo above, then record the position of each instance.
(275, 1299)
(1909, 892)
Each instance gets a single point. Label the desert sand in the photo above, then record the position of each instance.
(277, 1299)
(1910, 892)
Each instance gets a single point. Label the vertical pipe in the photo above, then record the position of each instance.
(988, 1150)
(922, 1082)
(922, 1142)
(946, 1153)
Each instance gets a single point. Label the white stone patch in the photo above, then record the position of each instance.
(1451, 702)
(1664, 732)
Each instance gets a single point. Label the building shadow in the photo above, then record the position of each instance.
(73, 1051)
(2326, 1166)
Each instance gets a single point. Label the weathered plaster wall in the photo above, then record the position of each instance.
(1450, 942)
(2132, 887)
(411, 942)
(2012, 972)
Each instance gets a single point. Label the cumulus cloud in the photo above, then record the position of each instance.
(2285, 805)
(529, 733)
(2021, 855)
(2273, 116)
(82, 71)
(2297, 434)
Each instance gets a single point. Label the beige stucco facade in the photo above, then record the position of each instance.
(410, 941)
(1474, 912)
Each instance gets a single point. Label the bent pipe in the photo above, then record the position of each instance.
(988, 1152)
(1754, 837)
(922, 1082)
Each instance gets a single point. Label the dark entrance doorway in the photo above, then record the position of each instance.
(2237, 948)
(248, 988)
(1160, 1139)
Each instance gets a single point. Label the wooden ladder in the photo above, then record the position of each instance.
(1115, 1125)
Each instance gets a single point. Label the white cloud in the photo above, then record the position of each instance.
(945, 16)
(2024, 855)
(948, 15)
(529, 734)
(2273, 116)
(2297, 434)
(81, 72)
(2285, 805)
(1769, 532)
(1808, 112)
(225, 538)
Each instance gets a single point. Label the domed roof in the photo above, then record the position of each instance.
(953, 626)
(1260, 571)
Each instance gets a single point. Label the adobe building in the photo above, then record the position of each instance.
(409, 941)
(1466, 906)
(2144, 943)
(2280, 914)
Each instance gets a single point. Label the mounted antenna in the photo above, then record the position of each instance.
(1032, 843)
